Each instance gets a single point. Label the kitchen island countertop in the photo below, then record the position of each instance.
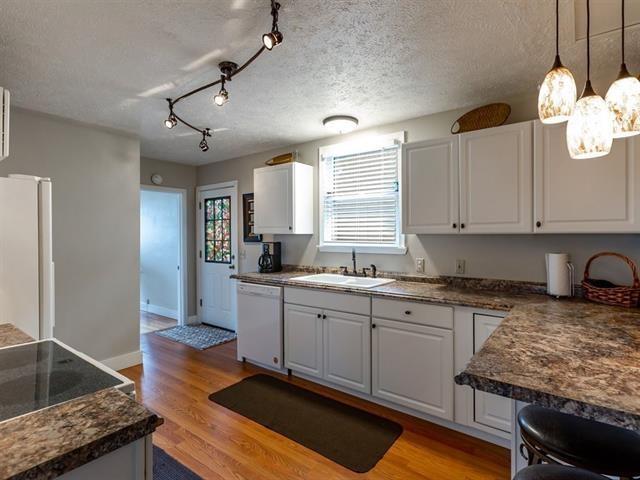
(50, 442)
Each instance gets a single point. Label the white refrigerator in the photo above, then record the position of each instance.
(26, 257)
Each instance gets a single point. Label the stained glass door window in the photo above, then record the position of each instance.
(217, 230)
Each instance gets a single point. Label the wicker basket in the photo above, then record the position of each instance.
(492, 115)
(603, 291)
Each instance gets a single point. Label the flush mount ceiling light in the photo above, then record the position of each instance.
(228, 71)
(623, 99)
(590, 128)
(340, 123)
(557, 95)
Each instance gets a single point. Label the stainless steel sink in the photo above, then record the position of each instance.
(343, 280)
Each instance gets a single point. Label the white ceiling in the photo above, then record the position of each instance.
(112, 62)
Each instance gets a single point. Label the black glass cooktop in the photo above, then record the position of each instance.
(37, 375)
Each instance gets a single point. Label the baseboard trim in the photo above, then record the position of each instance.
(165, 312)
(124, 361)
(192, 319)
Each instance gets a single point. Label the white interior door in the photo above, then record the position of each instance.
(217, 253)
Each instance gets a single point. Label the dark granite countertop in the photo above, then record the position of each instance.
(50, 442)
(571, 355)
(476, 293)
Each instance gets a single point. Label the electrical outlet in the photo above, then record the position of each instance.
(420, 265)
(460, 266)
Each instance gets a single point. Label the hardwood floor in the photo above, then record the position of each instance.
(217, 443)
(150, 322)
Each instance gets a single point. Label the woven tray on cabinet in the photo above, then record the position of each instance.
(603, 291)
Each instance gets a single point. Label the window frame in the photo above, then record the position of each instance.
(362, 144)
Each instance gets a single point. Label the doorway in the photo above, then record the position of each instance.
(217, 238)
(162, 258)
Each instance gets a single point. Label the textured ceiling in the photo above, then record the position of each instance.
(112, 63)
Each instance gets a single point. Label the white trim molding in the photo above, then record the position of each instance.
(124, 361)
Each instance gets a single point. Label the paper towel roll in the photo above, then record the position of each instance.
(559, 276)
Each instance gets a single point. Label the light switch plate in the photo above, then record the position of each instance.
(420, 265)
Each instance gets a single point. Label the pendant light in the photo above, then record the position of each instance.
(557, 95)
(623, 99)
(590, 128)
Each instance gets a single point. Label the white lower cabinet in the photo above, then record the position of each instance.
(303, 339)
(489, 409)
(335, 346)
(413, 366)
(347, 350)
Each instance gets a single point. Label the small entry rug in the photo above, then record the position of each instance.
(166, 467)
(198, 336)
(344, 434)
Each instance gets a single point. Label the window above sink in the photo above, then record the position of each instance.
(359, 194)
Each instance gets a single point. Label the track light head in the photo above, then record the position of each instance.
(204, 146)
(171, 121)
(272, 39)
(221, 98)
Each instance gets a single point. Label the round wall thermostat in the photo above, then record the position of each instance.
(156, 179)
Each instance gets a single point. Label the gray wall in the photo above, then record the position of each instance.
(178, 176)
(95, 174)
(517, 257)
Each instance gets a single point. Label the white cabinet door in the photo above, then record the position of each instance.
(496, 180)
(598, 195)
(283, 196)
(413, 366)
(489, 409)
(273, 207)
(303, 339)
(347, 350)
(430, 186)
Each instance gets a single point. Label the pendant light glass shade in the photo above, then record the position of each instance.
(623, 99)
(557, 96)
(589, 130)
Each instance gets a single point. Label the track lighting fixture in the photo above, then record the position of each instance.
(222, 96)
(228, 70)
(271, 39)
(274, 37)
(204, 146)
(557, 96)
(171, 121)
(623, 98)
(590, 128)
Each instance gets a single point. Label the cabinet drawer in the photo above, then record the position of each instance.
(340, 302)
(420, 313)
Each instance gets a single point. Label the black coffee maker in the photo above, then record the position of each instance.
(270, 261)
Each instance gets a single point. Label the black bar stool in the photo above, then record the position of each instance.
(553, 437)
(556, 472)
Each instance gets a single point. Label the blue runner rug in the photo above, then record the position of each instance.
(198, 336)
(166, 467)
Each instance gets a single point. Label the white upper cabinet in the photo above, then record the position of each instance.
(598, 195)
(496, 180)
(430, 186)
(283, 196)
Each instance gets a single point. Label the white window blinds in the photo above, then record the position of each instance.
(360, 198)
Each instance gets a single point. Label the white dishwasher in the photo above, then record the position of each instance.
(260, 324)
